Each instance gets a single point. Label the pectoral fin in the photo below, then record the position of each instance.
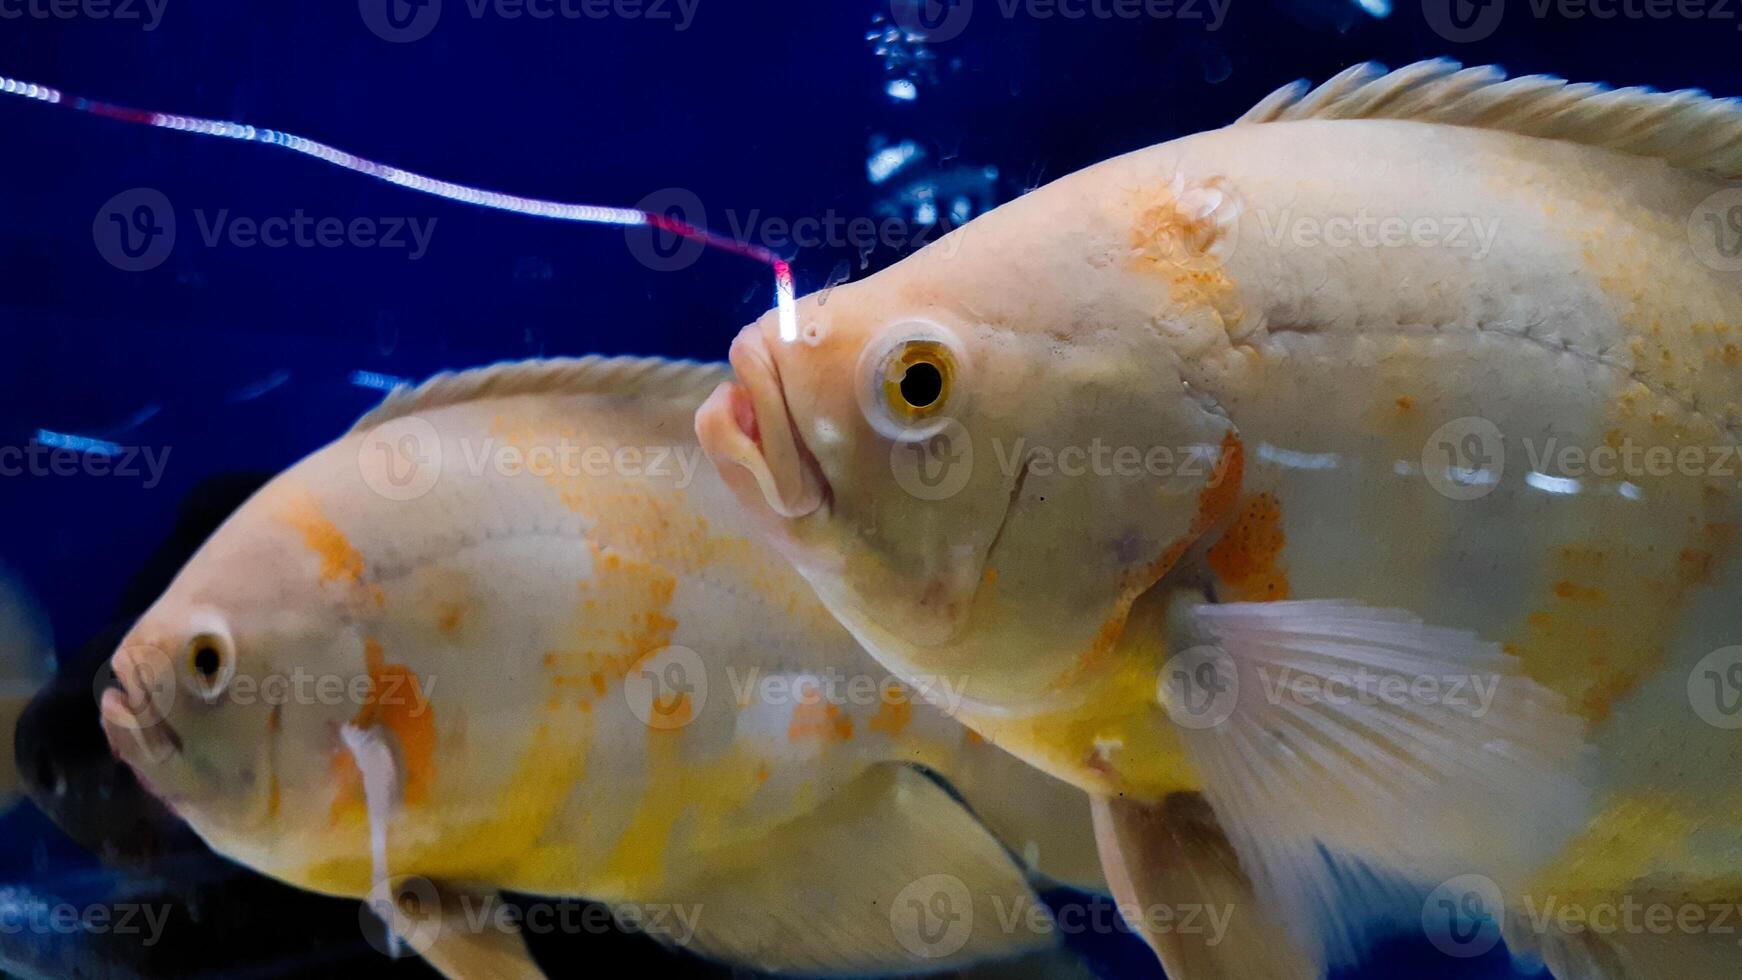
(892, 874)
(1172, 857)
(1326, 729)
(376, 763)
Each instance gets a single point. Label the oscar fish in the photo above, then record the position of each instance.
(1363, 471)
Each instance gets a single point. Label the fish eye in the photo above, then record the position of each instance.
(211, 664)
(912, 382)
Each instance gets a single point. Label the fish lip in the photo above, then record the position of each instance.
(748, 422)
(135, 724)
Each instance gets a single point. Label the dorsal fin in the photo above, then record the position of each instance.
(652, 377)
(1688, 129)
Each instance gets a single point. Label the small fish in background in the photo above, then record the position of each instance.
(540, 652)
(190, 912)
(26, 664)
(1187, 458)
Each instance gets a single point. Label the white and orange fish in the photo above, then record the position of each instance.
(1367, 469)
(512, 633)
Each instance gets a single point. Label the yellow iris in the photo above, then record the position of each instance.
(917, 379)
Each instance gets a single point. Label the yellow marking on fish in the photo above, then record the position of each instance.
(1125, 712)
(520, 842)
(705, 796)
(1248, 558)
(1632, 837)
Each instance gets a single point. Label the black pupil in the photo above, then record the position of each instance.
(922, 385)
(206, 661)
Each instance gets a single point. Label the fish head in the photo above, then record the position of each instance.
(977, 457)
(218, 697)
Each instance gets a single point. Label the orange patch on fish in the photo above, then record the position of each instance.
(1177, 243)
(672, 713)
(396, 702)
(1603, 628)
(1572, 590)
(1215, 501)
(892, 717)
(449, 616)
(341, 562)
(1248, 558)
(814, 717)
(620, 620)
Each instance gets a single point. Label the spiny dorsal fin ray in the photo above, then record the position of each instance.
(1687, 129)
(651, 377)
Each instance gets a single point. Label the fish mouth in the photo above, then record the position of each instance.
(135, 714)
(748, 423)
